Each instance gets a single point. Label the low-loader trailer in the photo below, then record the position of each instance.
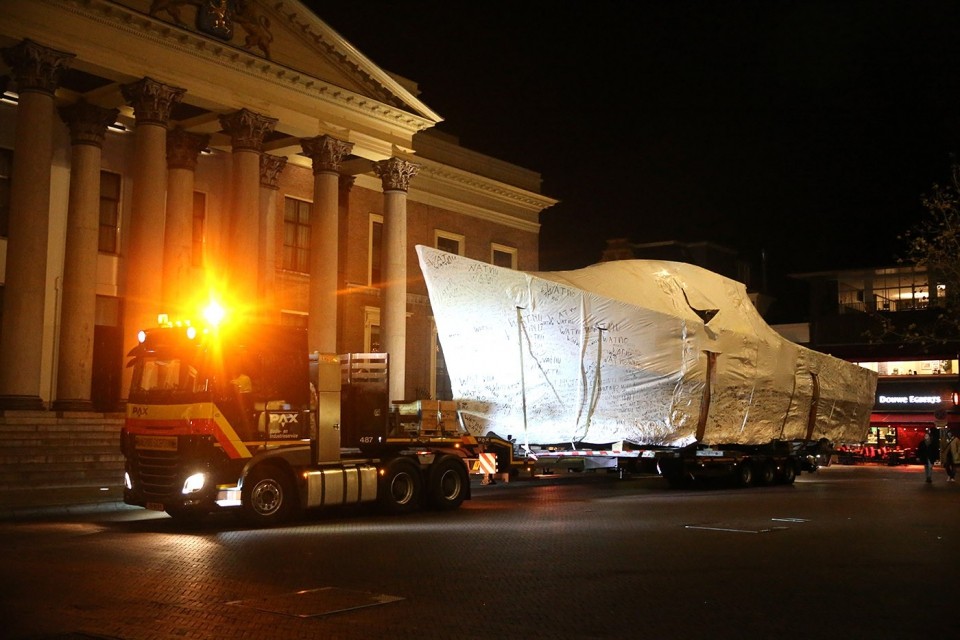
(243, 417)
(644, 365)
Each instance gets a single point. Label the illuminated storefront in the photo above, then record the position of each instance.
(907, 406)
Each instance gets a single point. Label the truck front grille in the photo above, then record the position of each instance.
(157, 471)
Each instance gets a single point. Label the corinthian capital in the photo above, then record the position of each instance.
(152, 101)
(270, 169)
(87, 122)
(395, 174)
(35, 67)
(247, 129)
(183, 148)
(327, 153)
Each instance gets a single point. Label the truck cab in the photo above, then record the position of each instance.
(203, 403)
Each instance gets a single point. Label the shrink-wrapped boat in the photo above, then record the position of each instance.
(642, 352)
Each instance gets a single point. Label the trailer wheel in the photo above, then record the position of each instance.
(768, 472)
(788, 473)
(743, 474)
(447, 485)
(268, 496)
(400, 486)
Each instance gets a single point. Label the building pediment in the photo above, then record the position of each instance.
(286, 33)
(295, 68)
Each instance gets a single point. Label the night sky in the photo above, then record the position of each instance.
(805, 130)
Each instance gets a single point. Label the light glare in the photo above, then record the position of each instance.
(193, 484)
(214, 313)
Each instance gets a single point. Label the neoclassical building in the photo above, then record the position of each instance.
(154, 154)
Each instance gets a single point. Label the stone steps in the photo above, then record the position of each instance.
(54, 458)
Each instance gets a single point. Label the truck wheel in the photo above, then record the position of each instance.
(268, 496)
(400, 486)
(788, 473)
(743, 474)
(447, 485)
(768, 472)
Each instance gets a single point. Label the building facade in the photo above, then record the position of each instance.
(861, 316)
(159, 155)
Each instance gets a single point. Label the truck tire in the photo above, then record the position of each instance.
(743, 474)
(268, 496)
(766, 472)
(400, 487)
(447, 484)
(788, 472)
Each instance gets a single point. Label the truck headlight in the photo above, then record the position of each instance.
(193, 483)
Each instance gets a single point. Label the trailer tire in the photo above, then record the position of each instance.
(743, 474)
(400, 487)
(768, 472)
(447, 484)
(789, 472)
(268, 496)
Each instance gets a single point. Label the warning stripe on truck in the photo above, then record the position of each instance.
(202, 418)
(485, 464)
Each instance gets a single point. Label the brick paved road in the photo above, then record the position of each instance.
(846, 552)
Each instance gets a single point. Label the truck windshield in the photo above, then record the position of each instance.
(157, 377)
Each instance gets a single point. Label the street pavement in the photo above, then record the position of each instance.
(844, 552)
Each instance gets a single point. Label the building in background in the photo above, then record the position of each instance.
(157, 155)
(918, 383)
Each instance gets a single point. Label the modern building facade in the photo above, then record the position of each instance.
(157, 155)
(860, 316)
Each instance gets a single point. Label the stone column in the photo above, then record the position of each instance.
(78, 309)
(179, 292)
(247, 130)
(143, 294)
(327, 153)
(36, 71)
(270, 169)
(395, 174)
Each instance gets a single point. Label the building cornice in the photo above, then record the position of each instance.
(423, 190)
(317, 33)
(33, 19)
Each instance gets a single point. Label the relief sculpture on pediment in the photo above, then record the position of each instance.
(218, 17)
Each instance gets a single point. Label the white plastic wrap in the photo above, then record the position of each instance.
(621, 351)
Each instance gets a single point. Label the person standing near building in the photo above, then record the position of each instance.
(927, 454)
(950, 457)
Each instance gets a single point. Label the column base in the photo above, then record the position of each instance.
(21, 403)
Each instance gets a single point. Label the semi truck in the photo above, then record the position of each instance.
(242, 417)
(637, 365)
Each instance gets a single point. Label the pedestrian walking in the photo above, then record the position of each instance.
(927, 454)
(950, 458)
